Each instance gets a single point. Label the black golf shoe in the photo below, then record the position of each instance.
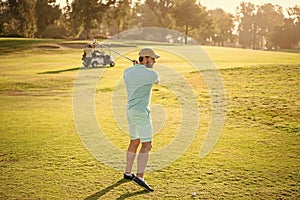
(142, 184)
(129, 177)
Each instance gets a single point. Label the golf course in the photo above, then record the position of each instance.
(43, 156)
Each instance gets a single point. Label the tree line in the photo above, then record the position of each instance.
(259, 26)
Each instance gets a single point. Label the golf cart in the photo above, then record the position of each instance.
(95, 57)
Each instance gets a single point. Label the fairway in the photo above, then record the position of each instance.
(42, 156)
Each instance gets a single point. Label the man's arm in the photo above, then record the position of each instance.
(157, 78)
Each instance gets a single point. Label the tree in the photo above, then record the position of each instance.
(19, 18)
(65, 19)
(146, 18)
(284, 36)
(4, 16)
(287, 35)
(120, 14)
(190, 16)
(43, 20)
(87, 14)
(257, 24)
(27, 18)
(246, 28)
(162, 11)
(294, 14)
(268, 16)
(223, 26)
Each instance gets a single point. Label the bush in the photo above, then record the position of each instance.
(54, 31)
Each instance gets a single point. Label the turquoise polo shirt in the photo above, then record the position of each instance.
(139, 80)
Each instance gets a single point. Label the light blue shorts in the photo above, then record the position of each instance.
(140, 125)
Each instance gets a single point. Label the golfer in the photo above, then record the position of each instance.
(88, 54)
(139, 80)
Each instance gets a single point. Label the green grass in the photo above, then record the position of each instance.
(231, 57)
(257, 155)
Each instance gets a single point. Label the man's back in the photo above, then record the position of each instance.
(139, 80)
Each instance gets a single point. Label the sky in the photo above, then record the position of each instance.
(230, 5)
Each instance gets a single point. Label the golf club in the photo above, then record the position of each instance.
(119, 54)
(102, 45)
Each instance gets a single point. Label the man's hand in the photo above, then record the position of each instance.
(135, 62)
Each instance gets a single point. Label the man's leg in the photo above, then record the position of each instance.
(142, 161)
(143, 158)
(89, 60)
(130, 155)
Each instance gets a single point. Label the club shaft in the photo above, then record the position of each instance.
(117, 52)
(122, 55)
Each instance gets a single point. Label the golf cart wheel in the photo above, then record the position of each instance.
(95, 64)
(112, 64)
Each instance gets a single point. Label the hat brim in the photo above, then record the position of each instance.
(156, 56)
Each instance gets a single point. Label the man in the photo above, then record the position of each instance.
(87, 56)
(139, 80)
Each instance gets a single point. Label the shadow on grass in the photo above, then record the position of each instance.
(60, 71)
(71, 69)
(101, 193)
